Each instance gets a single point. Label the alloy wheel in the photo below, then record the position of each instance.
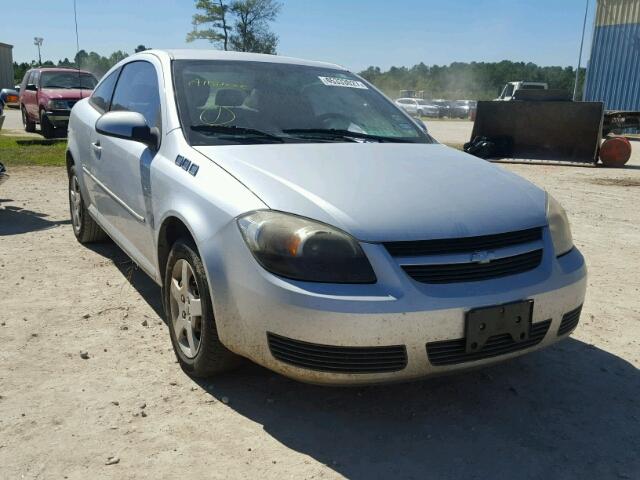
(186, 308)
(75, 200)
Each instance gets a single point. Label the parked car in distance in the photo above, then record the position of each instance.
(48, 94)
(295, 216)
(510, 89)
(444, 106)
(418, 107)
(463, 108)
(11, 96)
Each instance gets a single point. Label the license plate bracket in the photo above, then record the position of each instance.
(483, 323)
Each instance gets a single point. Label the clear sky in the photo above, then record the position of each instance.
(354, 33)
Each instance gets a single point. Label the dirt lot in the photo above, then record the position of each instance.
(571, 411)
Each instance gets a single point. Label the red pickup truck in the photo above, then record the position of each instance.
(47, 95)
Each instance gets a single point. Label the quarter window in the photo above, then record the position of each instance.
(137, 91)
(101, 97)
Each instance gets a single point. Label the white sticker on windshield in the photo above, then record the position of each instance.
(342, 82)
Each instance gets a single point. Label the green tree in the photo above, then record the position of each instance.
(141, 48)
(115, 57)
(19, 69)
(251, 31)
(212, 13)
(241, 25)
(475, 80)
(65, 63)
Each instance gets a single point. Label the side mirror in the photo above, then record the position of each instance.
(31, 87)
(129, 126)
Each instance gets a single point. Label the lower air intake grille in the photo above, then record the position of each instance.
(326, 358)
(471, 272)
(449, 352)
(569, 321)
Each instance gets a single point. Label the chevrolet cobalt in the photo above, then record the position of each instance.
(295, 216)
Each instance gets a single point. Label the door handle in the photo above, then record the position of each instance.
(97, 149)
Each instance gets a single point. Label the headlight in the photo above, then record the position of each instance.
(559, 227)
(58, 105)
(302, 249)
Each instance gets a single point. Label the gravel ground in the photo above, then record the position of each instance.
(13, 124)
(90, 388)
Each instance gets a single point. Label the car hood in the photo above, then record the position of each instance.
(66, 94)
(386, 191)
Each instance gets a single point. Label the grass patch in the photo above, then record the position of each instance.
(15, 151)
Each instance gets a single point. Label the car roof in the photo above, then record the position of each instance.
(211, 54)
(59, 69)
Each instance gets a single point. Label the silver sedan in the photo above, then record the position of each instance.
(295, 216)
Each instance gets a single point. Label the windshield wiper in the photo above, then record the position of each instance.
(337, 133)
(235, 131)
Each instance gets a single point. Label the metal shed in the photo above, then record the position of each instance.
(6, 66)
(613, 72)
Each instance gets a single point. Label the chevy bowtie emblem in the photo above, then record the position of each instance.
(482, 257)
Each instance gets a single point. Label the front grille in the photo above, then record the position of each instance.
(449, 352)
(472, 272)
(465, 244)
(569, 321)
(327, 358)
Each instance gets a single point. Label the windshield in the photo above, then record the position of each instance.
(231, 102)
(422, 102)
(68, 79)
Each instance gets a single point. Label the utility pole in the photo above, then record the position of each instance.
(584, 26)
(37, 41)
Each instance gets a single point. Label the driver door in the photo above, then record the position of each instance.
(123, 166)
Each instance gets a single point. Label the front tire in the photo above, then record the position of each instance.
(46, 127)
(28, 125)
(189, 313)
(84, 226)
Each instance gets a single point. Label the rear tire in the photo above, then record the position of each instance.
(189, 312)
(28, 125)
(46, 127)
(84, 226)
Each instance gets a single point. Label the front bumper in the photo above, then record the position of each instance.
(251, 304)
(59, 118)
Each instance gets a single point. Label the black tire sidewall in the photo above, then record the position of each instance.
(46, 127)
(184, 249)
(28, 125)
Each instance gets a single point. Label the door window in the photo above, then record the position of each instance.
(137, 91)
(35, 78)
(101, 97)
(25, 80)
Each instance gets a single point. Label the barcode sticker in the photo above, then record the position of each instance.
(342, 82)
